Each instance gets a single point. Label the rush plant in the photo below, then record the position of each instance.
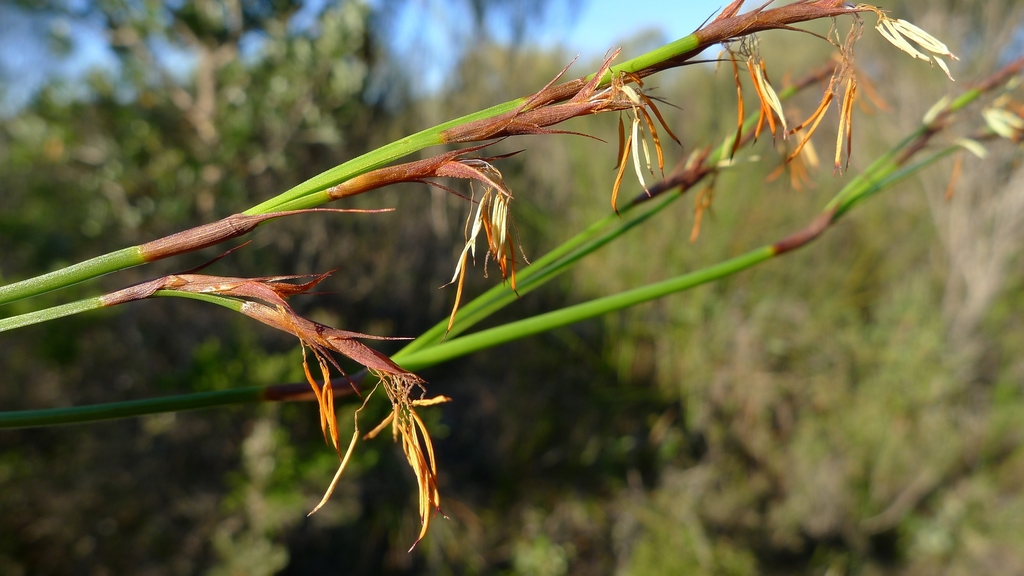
(616, 88)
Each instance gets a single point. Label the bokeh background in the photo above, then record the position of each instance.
(856, 407)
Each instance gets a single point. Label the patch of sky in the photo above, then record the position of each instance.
(428, 35)
(600, 25)
(306, 16)
(174, 59)
(1014, 49)
(40, 47)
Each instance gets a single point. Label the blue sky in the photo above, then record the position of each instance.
(426, 28)
(424, 31)
(602, 22)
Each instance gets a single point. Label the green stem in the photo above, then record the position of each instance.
(22, 320)
(572, 314)
(540, 272)
(131, 408)
(310, 193)
(884, 178)
(229, 303)
(73, 274)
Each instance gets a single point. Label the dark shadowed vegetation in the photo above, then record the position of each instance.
(854, 407)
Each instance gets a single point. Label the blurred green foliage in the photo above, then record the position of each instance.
(854, 408)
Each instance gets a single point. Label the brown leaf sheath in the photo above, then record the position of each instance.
(802, 237)
(538, 112)
(341, 341)
(214, 233)
(442, 165)
(269, 289)
(730, 25)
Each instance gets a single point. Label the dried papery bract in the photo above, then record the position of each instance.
(408, 427)
(702, 204)
(492, 216)
(900, 33)
(641, 106)
(844, 75)
(264, 300)
(399, 384)
(542, 109)
(1005, 122)
(799, 165)
(619, 95)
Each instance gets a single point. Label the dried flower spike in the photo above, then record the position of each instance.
(771, 106)
(492, 216)
(898, 32)
(619, 95)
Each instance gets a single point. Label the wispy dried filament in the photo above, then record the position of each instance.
(492, 214)
(493, 218)
(640, 108)
(845, 75)
(770, 105)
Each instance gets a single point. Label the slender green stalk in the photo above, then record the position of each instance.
(887, 177)
(229, 303)
(47, 314)
(539, 273)
(131, 408)
(27, 319)
(545, 322)
(73, 274)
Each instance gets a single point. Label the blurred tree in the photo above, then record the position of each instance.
(211, 107)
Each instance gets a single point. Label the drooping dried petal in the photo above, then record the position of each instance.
(900, 33)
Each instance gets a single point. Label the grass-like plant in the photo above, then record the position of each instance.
(616, 88)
